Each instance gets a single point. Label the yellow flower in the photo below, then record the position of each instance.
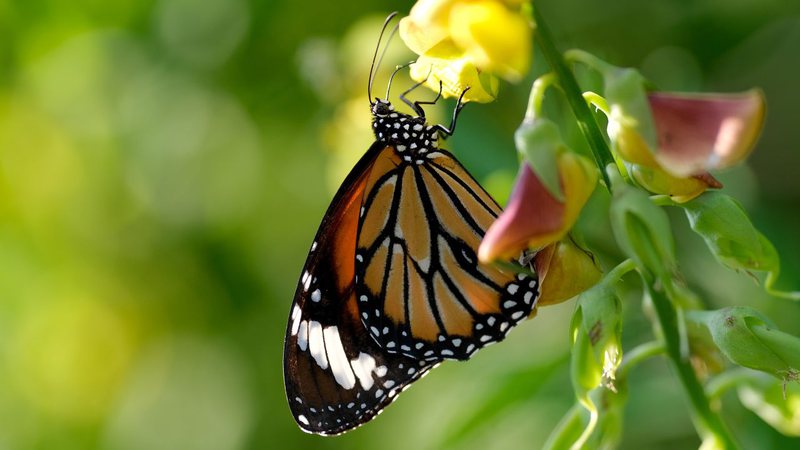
(534, 218)
(465, 43)
(681, 190)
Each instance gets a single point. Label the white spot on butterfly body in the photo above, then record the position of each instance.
(417, 127)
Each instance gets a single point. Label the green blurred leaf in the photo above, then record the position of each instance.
(514, 389)
(776, 402)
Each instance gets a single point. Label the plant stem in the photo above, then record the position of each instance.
(730, 379)
(706, 420)
(636, 356)
(586, 121)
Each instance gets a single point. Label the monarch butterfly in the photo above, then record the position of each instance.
(392, 285)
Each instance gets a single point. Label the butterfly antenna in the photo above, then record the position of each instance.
(375, 55)
(391, 78)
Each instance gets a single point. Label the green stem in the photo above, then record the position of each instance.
(731, 379)
(586, 122)
(706, 420)
(615, 274)
(637, 355)
(536, 98)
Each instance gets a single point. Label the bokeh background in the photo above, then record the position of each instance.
(164, 165)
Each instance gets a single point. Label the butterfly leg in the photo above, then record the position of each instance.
(433, 102)
(414, 105)
(460, 104)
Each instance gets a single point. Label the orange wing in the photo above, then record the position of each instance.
(337, 377)
(421, 291)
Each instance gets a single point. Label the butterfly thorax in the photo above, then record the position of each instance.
(411, 136)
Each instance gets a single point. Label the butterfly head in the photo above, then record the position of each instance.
(381, 108)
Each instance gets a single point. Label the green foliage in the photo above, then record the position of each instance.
(164, 165)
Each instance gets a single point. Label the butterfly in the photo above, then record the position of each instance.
(392, 285)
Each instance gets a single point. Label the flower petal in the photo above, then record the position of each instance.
(494, 37)
(533, 217)
(426, 25)
(701, 132)
(456, 75)
(658, 181)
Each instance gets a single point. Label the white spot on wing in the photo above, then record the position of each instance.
(425, 264)
(302, 336)
(316, 296)
(363, 367)
(302, 419)
(296, 313)
(338, 359)
(316, 344)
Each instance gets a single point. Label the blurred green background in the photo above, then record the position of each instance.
(164, 165)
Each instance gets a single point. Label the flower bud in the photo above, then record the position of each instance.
(565, 270)
(642, 229)
(747, 338)
(723, 224)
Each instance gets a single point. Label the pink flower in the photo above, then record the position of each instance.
(534, 218)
